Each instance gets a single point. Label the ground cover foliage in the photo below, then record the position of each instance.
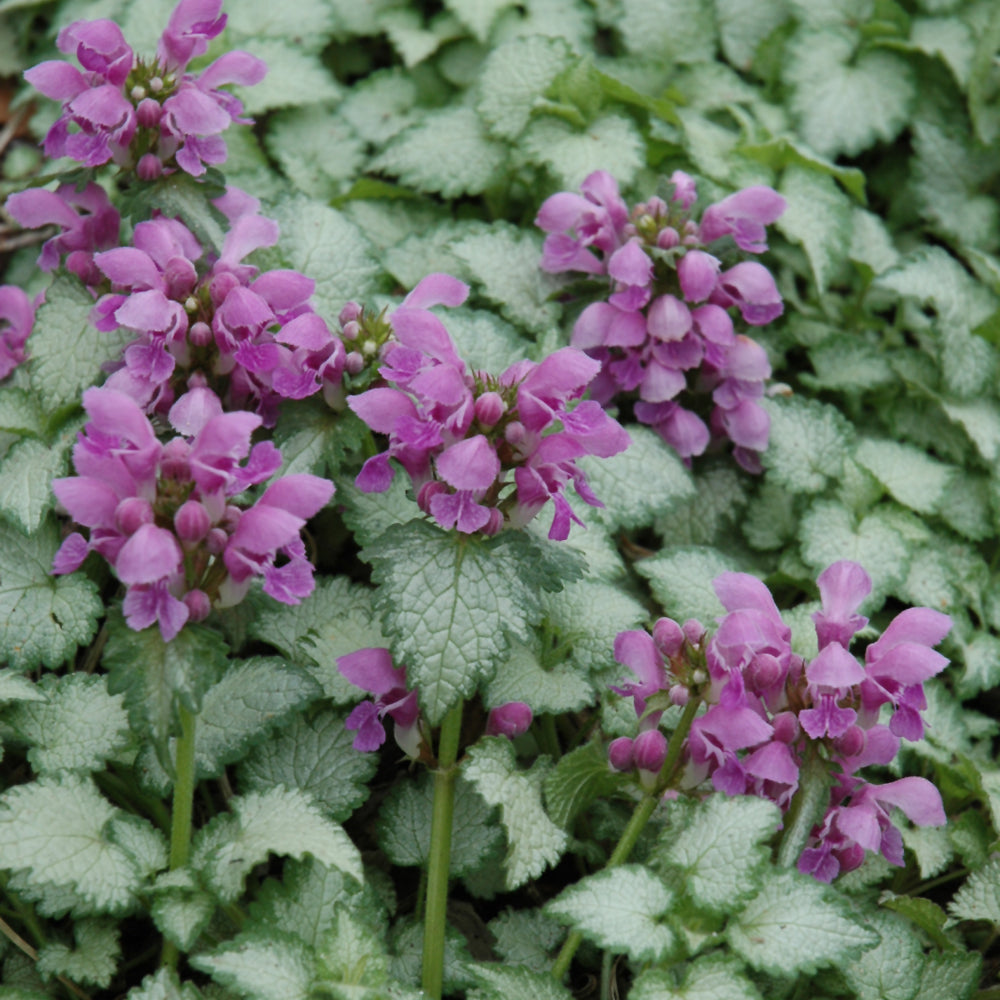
(392, 141)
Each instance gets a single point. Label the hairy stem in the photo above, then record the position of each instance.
(182, 810)
(439, 862)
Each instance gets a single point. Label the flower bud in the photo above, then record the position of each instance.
(694, 631)
(198, 605)
(650, 750)
(851, 743)
(515, 433)
(231, 517)
(350, 330)
(354, 363)
(679, 695)
(174, 460)
(149, 167)
(200, 334)
(192, 522)
(489, 408)
(667, 238)
(148, 113)
(350, 313)
(222, 284)
(668, 637)
(215, 541)
(763, 672)
(131, 514)
(620, 754)
(786, 727)
(137, 93)
(156, 85)
(509, 720)
(656, 206)
(429, 490)
(494, 525)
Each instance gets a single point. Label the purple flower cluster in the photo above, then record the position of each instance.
(665, 329)
(373, 671)
(768, 709)
(17, 316)
(202, 319)
(151, 117)
(162, 514)
(88, 221)
(459, 434)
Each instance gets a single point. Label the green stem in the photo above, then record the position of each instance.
(643, 811)
(439, 862)
(182, 810)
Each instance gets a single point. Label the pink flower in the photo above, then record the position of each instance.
(17, 316)
(373, 671)
(744, 216)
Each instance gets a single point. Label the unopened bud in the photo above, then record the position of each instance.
(215, 541)
(694, 631)
(786, 727)
(650, 750)
(679, 695)
(429, 490)
(350, 330)
(190, 304)
(620, 754)
(148, 113)
(509, 720)
(514, 432)
(667, 238)
(668, 636)
(495, 523)
(137, 93)
(851, 743)
(763, 672)
(198, 605)
(489, 408)
(192, 522)
(149, 167)
(350, 313)
(199, 334)
(156, 85)
(354, 363)
(131, 514)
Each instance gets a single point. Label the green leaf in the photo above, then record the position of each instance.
(447, 152)
(258, 19)
(949, 977)
(891, 970)
(163, 985)
(721, 848)
(253, 697)
(452, 604)
(411, 39)
(950, 39)
(871, 243)
(305, 901)
(611, 142)
(808, 444)
(711, 513)
(830, 532)
(294, 77)
(523, 678)
(979, 896)
(42, 617)
(433, 249)
(26, 475)
(271, 967)
(980, 419)
(18, 688)
(848, 363)
(76, 728)
(180, 908)
(982, 665)
(931, 845)
(744, 24)
(784, 151)
(819, 217)
(710, 977)
(845, 101)
(924, 913)
(321, 242)
(668, 30)
(54, 828)
(619, 909)
(404, 827)
(648, 460)
(534, 840)
(278, 821)
(407, 944)
(909, 474)
(381, 105)
(485, 341)
(92, 962)
(369, 515)
(314, 755)
(478, 15)
(526, 938)
(681, 581)
(579, 779)
(152, 673)
(20, 412)
(795, 926)
(504, 260)
(67, 351)
(511, 982)
(353, 960)
(318, 151)
(514, 76)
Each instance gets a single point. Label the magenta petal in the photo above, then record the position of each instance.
(381, 408)
(130, 268)
(668, 318)
(697, 272)
(922, 625)
(437, 289)
(631, 265)
(834, 667)
(372, 670)
(308, 330)
(263, 529)
(636, 650)
(71, 554)
(190, 414)
(237, 67)
(90, 501)
(509, 720)
(469, 465)
(364, 719)
(908, 663)
(192, 112)
(283, 289)
(151, 554)
(860, 823)
(739, 591)
(301, 494)
(56, 79)
(917, 797)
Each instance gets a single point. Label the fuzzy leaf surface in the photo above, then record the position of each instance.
(452, 604)
(721, 849)
(711, 977)
(795, 926)
(275, 967)
(808, 444)
(42, 617)
(619, 909)
(513, 982)
(534, 840)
